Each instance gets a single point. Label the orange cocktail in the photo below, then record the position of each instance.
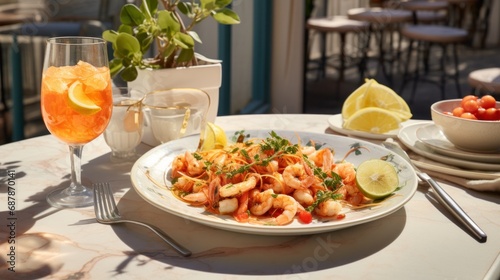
(76, 101)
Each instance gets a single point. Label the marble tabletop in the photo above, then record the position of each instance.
(419, 241)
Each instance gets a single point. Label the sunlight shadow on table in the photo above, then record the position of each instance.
(225, 252)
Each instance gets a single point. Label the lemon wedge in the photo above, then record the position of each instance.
(373, 120)
(377, 178)
(382, 96)
(215, 137)
(350, 105)
(79, 101)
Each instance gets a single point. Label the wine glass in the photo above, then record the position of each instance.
(76, 104)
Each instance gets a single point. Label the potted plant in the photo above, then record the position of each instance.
(150, 27)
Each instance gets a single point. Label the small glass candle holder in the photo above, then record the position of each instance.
(176, 113)
(124, 131)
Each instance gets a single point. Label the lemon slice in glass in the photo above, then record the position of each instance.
(373, 120)
(377, 178)
(215, 137)
(79, 101)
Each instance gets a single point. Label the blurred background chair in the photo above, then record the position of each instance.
(341, 26)
(384, 27)
(427, 37)
(485, 81)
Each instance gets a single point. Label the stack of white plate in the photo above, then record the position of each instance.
(427, 140)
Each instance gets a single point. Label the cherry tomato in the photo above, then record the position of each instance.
(470, 106)
(481, 113)
(469, 116)
(305, 217)
(487, 102)
(491, 114)
(458, 111)
(467, 98)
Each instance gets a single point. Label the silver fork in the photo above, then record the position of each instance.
(106, 212)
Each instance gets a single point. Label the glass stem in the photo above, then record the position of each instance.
(76, 170)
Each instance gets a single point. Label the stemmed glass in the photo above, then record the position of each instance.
(76, 104)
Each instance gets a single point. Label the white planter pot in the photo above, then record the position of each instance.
(207, 77)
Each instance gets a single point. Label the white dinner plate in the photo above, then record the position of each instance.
(408, 136)
(335, 122)
(149, 172)
(433, 137)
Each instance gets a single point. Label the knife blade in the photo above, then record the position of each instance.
(443, 197)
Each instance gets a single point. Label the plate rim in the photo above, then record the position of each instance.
(455, 152)
(439, 158)
(412, 184)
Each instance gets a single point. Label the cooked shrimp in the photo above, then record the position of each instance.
(272, 167)
(346, 171)
(241, 214)
(328, 208)
(260, 202)
(289, 206)
(295, 176)
(194, 167)
(196, 198)
(229, 190)
(323, 158)
(184, 184)
(178, 166)
(352, 194)
(276, 183)
(303, 197)
(307, 150)
(228, 205)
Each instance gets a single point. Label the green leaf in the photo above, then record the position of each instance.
(129, 74)
(146, 43)
(127, 45)
(222, 3)
(185, 8)
(110, 36)
(185, 55)
(226, 16)
(169, 50)
(167, 21)
(208, 4)
(126, 29)
(131, 15)
(195, 36)
(184, 41)
(152, 7)
(115, 65)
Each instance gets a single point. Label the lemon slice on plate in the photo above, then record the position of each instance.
(377, 178)
(350, 104)
(79, 101)
(215, 137)
(382, 96)
(373, 120)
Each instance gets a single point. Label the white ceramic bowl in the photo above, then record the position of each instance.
(465, 134)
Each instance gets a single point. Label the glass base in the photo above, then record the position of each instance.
(71, 197)
(124, 156)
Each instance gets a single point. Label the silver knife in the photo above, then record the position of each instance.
(442, 195)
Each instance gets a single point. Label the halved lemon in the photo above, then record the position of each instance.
(382, 96)
(377, 178)
(215, 137)
(350, 104)
(79, 101)
(373, 120)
